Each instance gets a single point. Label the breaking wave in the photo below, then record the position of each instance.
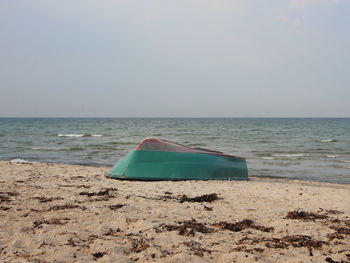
(327, 140)
(79, 135)
(332, 156)
(18, 160)
(282, 156)
(268, 158)
(45, 149)
(341, 166)
(290, 155)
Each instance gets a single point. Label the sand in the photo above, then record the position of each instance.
(71, 213)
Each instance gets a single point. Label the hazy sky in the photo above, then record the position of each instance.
(179, 58)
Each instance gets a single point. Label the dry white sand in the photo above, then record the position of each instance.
(70, 213)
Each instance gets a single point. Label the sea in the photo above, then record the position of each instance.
(311, 149)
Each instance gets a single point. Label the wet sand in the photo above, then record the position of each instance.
(71, 213)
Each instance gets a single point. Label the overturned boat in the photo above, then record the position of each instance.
(157, 159)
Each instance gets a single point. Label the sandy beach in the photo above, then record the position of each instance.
(71, 213)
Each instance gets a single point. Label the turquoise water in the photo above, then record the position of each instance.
(307, 149)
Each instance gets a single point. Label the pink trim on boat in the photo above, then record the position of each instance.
(152, 144)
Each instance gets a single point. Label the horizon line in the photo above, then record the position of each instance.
(153, 117)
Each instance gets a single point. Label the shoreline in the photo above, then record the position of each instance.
(73, 213)
(250, 177)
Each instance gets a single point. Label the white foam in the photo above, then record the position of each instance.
(326, 140)
(18, 160)
(36, 148)
(79, 135)
(332, 156)
(71, 135)
(291, 155)
(345, 161)
(44, 149)
(268, 158)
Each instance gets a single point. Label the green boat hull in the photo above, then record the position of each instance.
(160, 165)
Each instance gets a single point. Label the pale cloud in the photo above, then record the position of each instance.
(306, 3)
(223, 5)
(295, 22)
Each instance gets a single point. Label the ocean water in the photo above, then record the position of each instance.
(307, 149)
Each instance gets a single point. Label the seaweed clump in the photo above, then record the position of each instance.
(66, 206)
(303, 215)
(295, 241)
(5, 196)
(241, 225)
(203, 198)
(303, 241)
(196, 248)
(139, 245)
(342, 228)
(53, 221)
(97, 255)
(187, 228)
(103, 192)
(184, 198)
(102, 195)
(43, 199)
(249, 250)
(117, 206)
(113, 232)
(330, 260)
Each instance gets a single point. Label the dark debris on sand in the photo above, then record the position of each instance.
(97, 255)
(113, 232)
(249, 250)
(241, 225)
(334, 235)
(295, 241)
(75, 186)
(184, 198)
(66, 206)
(303, 241)
(303, 215)
(186, 228)
(106, 191)
(78, 177)
(190, 227)
(5, 196)
(207, 208)
(76, 243)
(196, 248)
(102, 195)
(330, 260)
(139, 245)
(285, 242)
(203, 198)
(341, 228)
(117, 206)
(53, 221)
(331, 211)
(43, 199)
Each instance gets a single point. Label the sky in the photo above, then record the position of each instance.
(175, 58)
